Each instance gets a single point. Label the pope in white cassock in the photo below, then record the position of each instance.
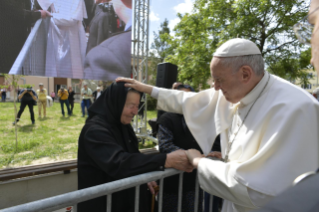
(66, 38)
(268, 127)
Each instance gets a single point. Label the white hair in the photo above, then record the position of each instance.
(256, 62)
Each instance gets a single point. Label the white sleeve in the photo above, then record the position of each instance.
(216, 177)
(155, 92)
(257, 198)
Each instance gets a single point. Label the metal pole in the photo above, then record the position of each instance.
(137, 198)
(180, 192)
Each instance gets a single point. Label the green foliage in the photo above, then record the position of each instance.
(268, 23)
(151, 103)
(161, 49)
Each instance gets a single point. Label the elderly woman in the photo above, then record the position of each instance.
(108, 150)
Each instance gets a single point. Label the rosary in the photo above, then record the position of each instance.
(229, 145)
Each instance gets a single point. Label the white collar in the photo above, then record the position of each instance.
(253, 94)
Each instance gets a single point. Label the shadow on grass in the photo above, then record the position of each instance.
(65, 118)
(26, 128)
(44, 119)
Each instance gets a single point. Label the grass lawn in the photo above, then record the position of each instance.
(50, 139)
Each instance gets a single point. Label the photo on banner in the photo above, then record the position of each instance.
(77, 39)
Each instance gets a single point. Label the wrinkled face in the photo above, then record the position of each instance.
(130, 108)
(313, 19)
(227, 81)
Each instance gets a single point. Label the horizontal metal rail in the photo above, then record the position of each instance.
(72, 198)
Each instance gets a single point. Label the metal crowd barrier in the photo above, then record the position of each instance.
(32, 57)
(72, 198)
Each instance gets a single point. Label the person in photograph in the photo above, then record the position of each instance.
(66, 42)
(86, 94)
(63, 94)
(102, 25)
(52, 95)
(71, 98)
(108, 151)
(96, 94)
(173, 134)
(16, 20)
(3, 94)
(28, 98)
(261, 125)
(42, 99)
(112, 58)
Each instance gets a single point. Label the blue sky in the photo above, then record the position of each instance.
(161, 9)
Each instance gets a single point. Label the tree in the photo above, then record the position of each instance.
(12, 81)
(268, 23)
(161, 49)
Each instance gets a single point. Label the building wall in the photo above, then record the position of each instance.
(313, 81)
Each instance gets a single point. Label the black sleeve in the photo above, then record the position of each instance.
(110, 157)
(31, 16)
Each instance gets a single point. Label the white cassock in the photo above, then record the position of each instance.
(277, 142)
(66, 43)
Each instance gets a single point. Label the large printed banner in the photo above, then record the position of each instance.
(78, 39)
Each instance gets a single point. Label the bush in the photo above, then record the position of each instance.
(151, 103)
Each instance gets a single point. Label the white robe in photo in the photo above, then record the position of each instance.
(277, 142)
(66, 43)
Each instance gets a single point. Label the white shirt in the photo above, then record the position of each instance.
(263, 160)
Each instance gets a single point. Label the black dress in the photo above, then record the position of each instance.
(108, 151)
(174, 134)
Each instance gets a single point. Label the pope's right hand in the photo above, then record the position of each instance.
(132, 83)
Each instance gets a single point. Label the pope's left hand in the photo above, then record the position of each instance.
(194, 156)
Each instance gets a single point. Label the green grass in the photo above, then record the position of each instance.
(50, 139)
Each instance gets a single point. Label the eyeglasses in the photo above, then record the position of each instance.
(303, 29)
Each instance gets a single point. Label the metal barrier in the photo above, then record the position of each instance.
(72, 198)
(32, 57)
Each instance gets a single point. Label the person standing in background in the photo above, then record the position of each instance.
(64, 94)
(28, 98)
(97, 93)
(3, 94)
(86, 94)
(71, 98)
(42, 99)
(52, 95)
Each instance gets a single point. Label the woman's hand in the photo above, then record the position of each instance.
(215, 155)
(194, 156)
(153, 187)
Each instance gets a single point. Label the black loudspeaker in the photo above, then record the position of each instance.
(166, 75)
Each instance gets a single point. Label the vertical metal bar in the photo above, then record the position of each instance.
(137, 198)
(75, 208)
(160, 199)
(196, 194)
(211, 203)
(180, 190)
(109, 203)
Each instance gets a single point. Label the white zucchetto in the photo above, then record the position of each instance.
(237, 47)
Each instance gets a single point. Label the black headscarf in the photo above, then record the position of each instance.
(111, 103)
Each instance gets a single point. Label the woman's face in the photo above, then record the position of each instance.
(130, 108)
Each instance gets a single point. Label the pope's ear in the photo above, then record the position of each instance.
(246, 73)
